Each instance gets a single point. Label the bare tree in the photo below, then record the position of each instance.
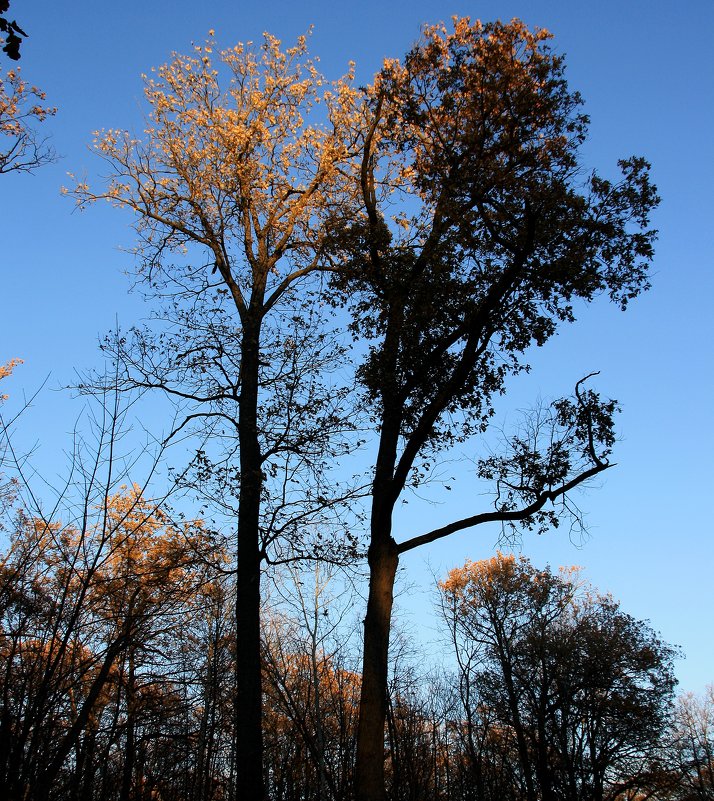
(308, 677)
(693, 745)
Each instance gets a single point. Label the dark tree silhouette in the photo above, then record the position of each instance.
(476, 237)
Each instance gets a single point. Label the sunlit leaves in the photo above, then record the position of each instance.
(21, 107)
(241, 153)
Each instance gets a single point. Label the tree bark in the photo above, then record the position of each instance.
(249, 734)
(369, 770)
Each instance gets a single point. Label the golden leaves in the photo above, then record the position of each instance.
(148, 560)
(6, 369)
(484, 576)
(19, 111)
(245, 144)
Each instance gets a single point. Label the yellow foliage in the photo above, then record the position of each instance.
(490, 581)
(6, 369)
(149, 558)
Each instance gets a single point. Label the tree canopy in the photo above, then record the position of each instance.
(582, 691)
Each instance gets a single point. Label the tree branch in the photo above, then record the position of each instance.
(503, 516)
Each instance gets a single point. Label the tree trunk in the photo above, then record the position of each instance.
(125, 792)
(249, 734)
(369, 769)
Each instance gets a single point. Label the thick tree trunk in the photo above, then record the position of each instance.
(369, 769)
(249, 733)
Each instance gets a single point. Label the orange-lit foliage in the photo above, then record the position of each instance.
(497, 97)
(258, 161)
(6, 370)
(310, 725)
(149, 559)
(507, 583)
(335, 683)
(21, 107)
(78, 603)
(7, 486)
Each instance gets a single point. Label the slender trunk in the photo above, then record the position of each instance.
(112, 736)
(125, 792)
(324, 788)
(369, 770)
(249, 735)
(207, 731)
(516, 722)
(86, 768)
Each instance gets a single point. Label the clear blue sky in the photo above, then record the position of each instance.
(645, 71)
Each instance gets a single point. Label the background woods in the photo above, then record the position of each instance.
(346, 285)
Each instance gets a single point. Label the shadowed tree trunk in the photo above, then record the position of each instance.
(383, 561)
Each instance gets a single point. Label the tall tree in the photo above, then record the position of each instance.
(477, 235)
(239, 181)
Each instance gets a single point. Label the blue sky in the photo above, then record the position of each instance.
(645, 72)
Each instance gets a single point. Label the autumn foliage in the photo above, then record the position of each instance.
(21, 108)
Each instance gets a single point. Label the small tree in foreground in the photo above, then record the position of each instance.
(476, 236)
(581, 690)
